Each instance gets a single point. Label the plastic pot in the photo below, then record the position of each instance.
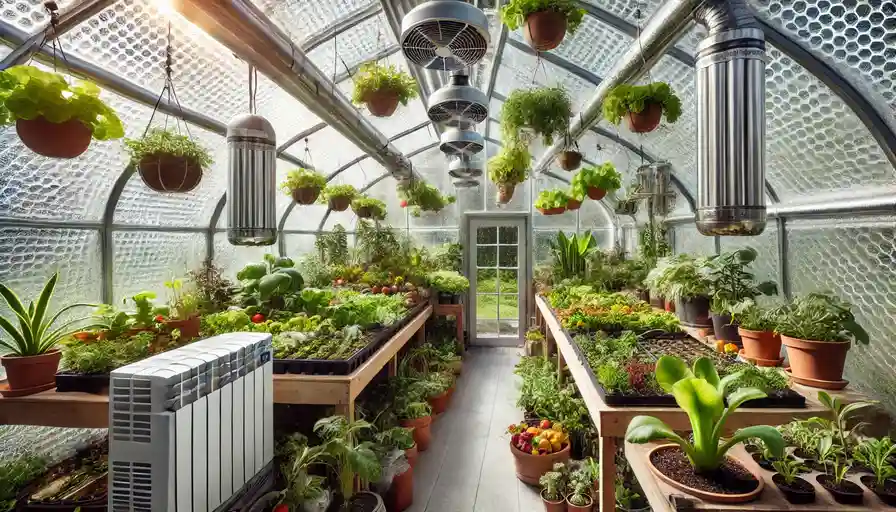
(339, 203)
(31, 374)
(647, 120)
(55, 140)
(885, 494)
(422, 434)
(449, 298)
(760, 344)
(439, 403)
(529, 468)
(401, 493)
(573, 205)
(306, 195)
(724, 329)
(569, 160)
(189, 328)
(545, 30)
(847, 493)
(381, 103)
(816, 360)
(505, 193)
(579, 508)
(595, 193)
(553, 506)
(170, 173)
(798, 493)
(694, 311)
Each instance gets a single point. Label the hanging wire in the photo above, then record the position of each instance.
(53, 11)
(640, 43)
(169, 92)
(307, 154)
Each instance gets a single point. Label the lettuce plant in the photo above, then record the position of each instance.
(346, 191)
(167, 142)
(515, 12)
(545, 110)
(604, 177)
(555, 198)
(510, 166)
(377, 207)
(302, 178)
(627, 98)
(374, 77)
(701, 394)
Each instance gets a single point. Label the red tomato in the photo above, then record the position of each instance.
(386, 290)
(545, 424)
(257, 318)
(403, 203)
(160, 318)
(281, 508)
(375, 289)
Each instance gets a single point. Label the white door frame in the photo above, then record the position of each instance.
(474, 220)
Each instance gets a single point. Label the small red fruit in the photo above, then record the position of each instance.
(257, 318)
(403, 203)
(281, 508)
(394, 289)
(340, 282)
(386, 290)
(375, 289)
(545, 424)
(160, 318)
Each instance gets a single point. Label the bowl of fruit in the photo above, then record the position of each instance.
(536, 446)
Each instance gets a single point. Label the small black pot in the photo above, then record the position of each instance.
(724, 329)
(694, 311)
(848, 493)
(763, 463)
(887, 495)
(800, 492)
(449, 298)
(800, 454)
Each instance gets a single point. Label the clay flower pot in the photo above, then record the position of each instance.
(412, 454)
(760, 344)
(596, 193)
(31, 374)
(569, 160)
(816, 360)
(189, 328)
(706, 495)
(573, 205)
(579, 508)
(55, 140)
(668, 306)
(553, 506)
(552, 211)
(647, 120)
(306, 195)
(86, 337)
(422, 434)
(505, 193)
(401, 493)
(339, 203)
(439, 403)
(382, 103)
(545, 30)
(529, 468)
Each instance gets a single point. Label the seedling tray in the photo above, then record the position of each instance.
(67, 382)
(95, 501)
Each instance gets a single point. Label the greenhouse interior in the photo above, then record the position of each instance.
(447, 255)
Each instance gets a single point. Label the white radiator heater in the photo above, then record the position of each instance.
(190, 427)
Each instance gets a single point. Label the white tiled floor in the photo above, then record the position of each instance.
(469, 467)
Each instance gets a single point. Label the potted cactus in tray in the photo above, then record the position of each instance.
(642, 105)
(304, 185)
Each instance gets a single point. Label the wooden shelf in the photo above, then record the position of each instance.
(85, 410)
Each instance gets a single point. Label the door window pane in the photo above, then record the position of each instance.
(486, 306)
(508, 235)
(486, 280)
(486, 256)
(508, 281)
(507, 256)
(508, 327)
(486, 327)
(487, 235)
(509, 307)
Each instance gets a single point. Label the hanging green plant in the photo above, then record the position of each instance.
(382, 88)
(545, 22)
(596, 181)
(54, 118)
(642, 105)
(369, 208)
(339, 197)
(552, 202)
(168, 161)
(304, 185)
(422, 197)
(544, 110)
(509, 168)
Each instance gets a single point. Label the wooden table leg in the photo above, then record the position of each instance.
(607, 474)
(393, 366)
(460, 331)
(560, 363)
(347, 410)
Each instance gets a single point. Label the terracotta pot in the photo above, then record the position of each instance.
(647, 120)
(86, 337)
(817, 360)
(569, 160)
(422, 434)
(596, 193)
(364, 212)
(505, 193)
(31, 372)
(189, 328)
(55, 140)
(552, 211)
(450, 395)
(694, 311)
(306, 195)
(573, 205)
(724, 329)
(401, 493)
(576, 508)
(545, 30)
(705, 495)
(760, 344)
(381, 103)
(339, 204)
(668, 306)
(529, 468)
(170, 173)
(553, 506)
(412, 454)
(439, 403)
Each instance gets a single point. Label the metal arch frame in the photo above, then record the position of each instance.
(556, 60)
(350, 21)
(496, 66)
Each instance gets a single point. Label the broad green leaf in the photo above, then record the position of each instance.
(252, 271)
(769, 436)
(670, 370)
(704, 406)
(283, 263)
(739, 396)
(643, 429)
(43, 301)
(704, 369)
(296, 281)
(273, 284)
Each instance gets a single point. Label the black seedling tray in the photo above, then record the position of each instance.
(67, 382)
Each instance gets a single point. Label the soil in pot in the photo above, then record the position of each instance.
(816, 360)
(724, 329)
(31, 372)
(545, 30)
(847, 493)
(366, 502)
(55, 140)
(553, 506)
(439, 403)
(170, 173)
(887, 494)
(647, 120)
(339, 204)
(382, 103)
(799, 492)
(579, 508)
(595, 193)
(760, 344)
(505, 193)
(422, 434)
(569, 160)
(306, 195)
(401, 493)
(722, 485)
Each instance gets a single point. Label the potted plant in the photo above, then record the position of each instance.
(339, 197)
(834, 481)
(182, 312)
(168, 161)
(31, 356)
(422, 197)
(756, 329)
(552, 202)
(700, 468)
(545, 111)
(578, 498)
(382, 88)
(449, 284)
(52, 117)
(545, 22)
(575, 199)
(537, 448)
(628, 500)
(509, 168)
(552, 486)
(731, 283)
(86, 366)
(797, 490)
(400, 438)
(596, 181)
(437, 386)
(350, 458)
(304, 185)
(369, 208)
(684, 279)
(642, 105)
(302, 490)
(818, 330)
(876, 454)
(417, 415)
(570, 158)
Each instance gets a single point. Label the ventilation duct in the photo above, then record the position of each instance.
(461, 142)
(464, 168)
(458, 103)
(445, 35)
(730, 121)
(251, 181)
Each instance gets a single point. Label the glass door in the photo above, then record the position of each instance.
(499, 261)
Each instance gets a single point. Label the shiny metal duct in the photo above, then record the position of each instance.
(730, 121)
(251, 181)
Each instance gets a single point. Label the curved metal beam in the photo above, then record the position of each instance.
(340, 26)
(556, 60)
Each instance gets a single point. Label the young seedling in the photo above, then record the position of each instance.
(789, 469)
(876, 453)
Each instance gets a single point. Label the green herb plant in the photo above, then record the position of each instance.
(15, 473)
(625, 98)
(267, 284)
(820, 317)
(680, 277)
(448, 281)
(373, 77)
(511, 165)
(376, 207)
(215, 291)
(515, 12)
(571, 253)
(159, 142)
(301, 487)
(103, 356)
(423, 197)
(876, 454)
(544, 110)
(840, 416)
(181, 305)
(347, 456)
(549, 199)
(604, 177)
(338, 191)
(789, 469)
(303, 178)
(730, 283)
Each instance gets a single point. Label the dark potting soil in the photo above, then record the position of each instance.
(798, 484)
(871, 482)
(729, 478)
(846, 486)
(363, 503)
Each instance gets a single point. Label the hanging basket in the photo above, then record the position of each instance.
(569, 160)
(306, 195)
(626, 208)
(647, 120)
(573, 205)
(55, 140)
(382, 103)
(170, 173)
(545, 30)
(596, 193)
(340, 203)
(364, 212)
(552, 211)
(505, 193)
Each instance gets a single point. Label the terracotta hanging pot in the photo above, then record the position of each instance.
(545, 30)
(760, 344)
(382, 103)
(170, 173)
(573, 204)
(364, 212)
(306, 195)
(569, 160)
(529, 468)
(339, 203)
(596, 193)
(422, 434)
(189, 328)
(30, 374)
(505, 192)
(55, 140)
(647, 120)
(552, 211)
(816, 360)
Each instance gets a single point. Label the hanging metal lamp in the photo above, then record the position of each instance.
(251, 181)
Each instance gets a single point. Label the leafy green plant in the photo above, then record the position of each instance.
(701, 394)
(302, 178)
(265, 284)
(625, 98)
(551, 485)
(511, 165)
(838, 470)
(840, 415)
(514, 14)
(103, 356)
(604, 177)
(376, 207)
(652, 244)
(876, 455)
(731, 283)
(789, 469)
(544, 110)
(27, 92)
(15, 473)
(625, 497)
(213, 288)
(373, 77)
(423, 197)
(448, 281)
(37, 333)
(397, 438)
(145, 310)
(820, 317)
(554, 198)
(166, 142)
(300, 486)
(338, 191)
(333, 246)
(411, 410)
(448, 256)
(347, 455)
(181, 305)
(753, 317)
(570, 253)
(679, 277)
